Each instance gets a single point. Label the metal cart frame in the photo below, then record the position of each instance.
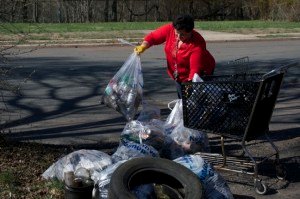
(204, 112)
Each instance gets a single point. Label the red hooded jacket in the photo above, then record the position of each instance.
(191, 57)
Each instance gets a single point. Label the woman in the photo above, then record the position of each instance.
(185, 50)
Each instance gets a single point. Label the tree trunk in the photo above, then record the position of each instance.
(106, 10)
(25, 11)
(191, 5)
(114, 8)
(146, 10)
(89, 11)
(13, 11)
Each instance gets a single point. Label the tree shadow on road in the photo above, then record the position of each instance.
(62, 98)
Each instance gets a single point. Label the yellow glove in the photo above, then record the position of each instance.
(140, 49)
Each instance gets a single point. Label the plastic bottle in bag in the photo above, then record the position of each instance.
(214, 184)
(130, 98)
(102, 179)
(127, 88)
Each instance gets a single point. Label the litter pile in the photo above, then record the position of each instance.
(147, 136)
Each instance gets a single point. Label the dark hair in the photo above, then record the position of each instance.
(184, 22)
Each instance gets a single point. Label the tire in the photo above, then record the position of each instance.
(149, 170)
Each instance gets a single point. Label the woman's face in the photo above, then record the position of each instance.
(182, 35)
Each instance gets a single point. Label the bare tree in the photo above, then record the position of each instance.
(66, 11)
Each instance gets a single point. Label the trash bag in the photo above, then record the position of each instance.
(135, 142)
(80, 162)
(102, 179)
(150, 133)
(175, 117)
(130, 149)
(190, 140)
(124, 91)
(214, 184)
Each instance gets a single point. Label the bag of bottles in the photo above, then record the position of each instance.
(214, 184)
(124, 91)
(189, 140)
(79, 162)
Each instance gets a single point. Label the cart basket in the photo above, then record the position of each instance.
(239, 106)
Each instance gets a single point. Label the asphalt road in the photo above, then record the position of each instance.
(59, 103)
(61, 98)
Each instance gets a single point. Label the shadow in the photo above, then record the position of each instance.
(61, 99)
(292, 164)
(236, 196)
(285, 134)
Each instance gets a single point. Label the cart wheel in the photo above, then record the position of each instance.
(260, 187)
(281, 172)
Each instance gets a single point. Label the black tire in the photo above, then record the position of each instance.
(149, 170)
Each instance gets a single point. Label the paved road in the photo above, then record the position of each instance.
(60, 102)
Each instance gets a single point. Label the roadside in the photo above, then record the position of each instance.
(105, 39)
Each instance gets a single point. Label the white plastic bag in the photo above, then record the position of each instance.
(102, 179)
(215, 187)
(190, 140)
(175, 117)
(89, 160)
(124, 91)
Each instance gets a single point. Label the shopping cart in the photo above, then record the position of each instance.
(239, 107)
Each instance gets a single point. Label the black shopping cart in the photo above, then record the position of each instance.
(238, 107)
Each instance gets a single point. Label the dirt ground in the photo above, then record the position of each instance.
(242, 185)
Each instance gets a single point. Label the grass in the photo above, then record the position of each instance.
(7, 181)
(17, 28)
(236, 26)
(21, 167)
(75, 32)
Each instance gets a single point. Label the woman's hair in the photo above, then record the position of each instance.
(184, 22)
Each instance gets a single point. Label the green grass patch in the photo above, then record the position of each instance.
(233, 25)
(7, 183)
(13, 28)
(7, 178)
(17, 28)
(55, 185)
(21, 33)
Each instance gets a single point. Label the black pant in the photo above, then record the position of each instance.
(178, 88)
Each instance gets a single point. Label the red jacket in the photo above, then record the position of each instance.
(191, 57)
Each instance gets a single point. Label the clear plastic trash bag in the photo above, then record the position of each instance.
(214, 184)
(76, 161)
(190, 140)
(124, 91)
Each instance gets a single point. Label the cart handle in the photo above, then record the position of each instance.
(280, 69)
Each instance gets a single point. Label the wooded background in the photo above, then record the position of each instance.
(74, 11)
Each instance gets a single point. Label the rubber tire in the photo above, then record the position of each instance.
(148, 170)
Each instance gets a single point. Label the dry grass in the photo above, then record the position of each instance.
(21, 166)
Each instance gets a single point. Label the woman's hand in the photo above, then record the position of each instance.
(141, 48)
